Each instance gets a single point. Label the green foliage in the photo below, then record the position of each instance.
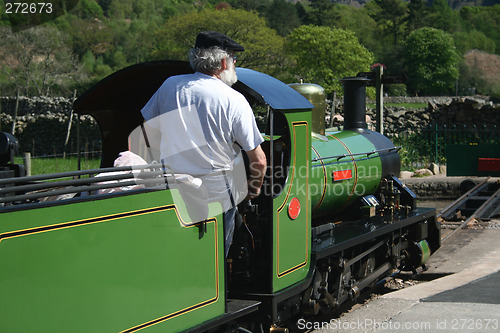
(250, 5)
(483, 19)
(37, 59)
(263, 46)
(397, 90)
(104, 5)
(118, 59)
(4, 18)
(473, 40)
(322, 13)
(432, 61)
(101, 69)
(121, 9)
(88, 62)
(91, 35)
(105, 45)
(325, 55)
(360, 23)
(418, 146)
(417, 12)
(442, 16)
(177, 7)
(139, 38)
(88, 9)
(282, 16)
(391, 15)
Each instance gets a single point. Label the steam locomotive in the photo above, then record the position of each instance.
(116, 253)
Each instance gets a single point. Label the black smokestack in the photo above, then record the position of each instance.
(355, 103)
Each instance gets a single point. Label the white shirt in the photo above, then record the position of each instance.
(201, 120)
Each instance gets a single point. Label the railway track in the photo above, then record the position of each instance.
(477, 206)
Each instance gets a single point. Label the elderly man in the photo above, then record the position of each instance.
(205, 123)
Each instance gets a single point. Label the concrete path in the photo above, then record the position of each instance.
(465, 299)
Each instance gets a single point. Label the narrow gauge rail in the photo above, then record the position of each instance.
(480, 203)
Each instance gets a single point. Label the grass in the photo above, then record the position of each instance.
(42, 166)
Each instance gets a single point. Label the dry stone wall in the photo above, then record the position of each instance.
(440, 110)
(42, 126)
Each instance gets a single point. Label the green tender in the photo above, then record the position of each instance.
(117, 264)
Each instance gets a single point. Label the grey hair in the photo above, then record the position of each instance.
(207, 61)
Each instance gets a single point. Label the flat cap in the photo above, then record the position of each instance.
(207, 39)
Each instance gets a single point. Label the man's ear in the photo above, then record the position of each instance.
(224, 64)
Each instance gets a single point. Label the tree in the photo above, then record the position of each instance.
(37, 59)
(432, 61)
(88, 9)
(325, 55)
(391, 14)
(91, 35)
(282, 16)
(121, 9)
(139, 40)
(104, 5)
(4, 17)
(263, 46)
(322, 13)
(483, 19)
(473, 40)
(417, 13)
(250, 5)
(443, 17)
(358, 21)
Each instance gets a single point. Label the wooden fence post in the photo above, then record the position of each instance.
(27, 163)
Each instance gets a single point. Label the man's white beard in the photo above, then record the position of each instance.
(228, 76)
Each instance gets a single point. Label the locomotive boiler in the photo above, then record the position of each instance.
(111, 249)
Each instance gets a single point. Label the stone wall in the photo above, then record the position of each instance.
(42, 126)
(428, 99)
(465, 111)
(35, 105)
(440, 110)
(439, 188)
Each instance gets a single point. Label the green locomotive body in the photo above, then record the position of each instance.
(332, 219)
(345, 168)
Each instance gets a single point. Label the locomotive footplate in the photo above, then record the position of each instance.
(235, 308)
(269, 308)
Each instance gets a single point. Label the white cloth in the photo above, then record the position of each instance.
(125, 158)
(201, 120)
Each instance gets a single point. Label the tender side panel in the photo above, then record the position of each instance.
(119, 264)
(292, 240)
